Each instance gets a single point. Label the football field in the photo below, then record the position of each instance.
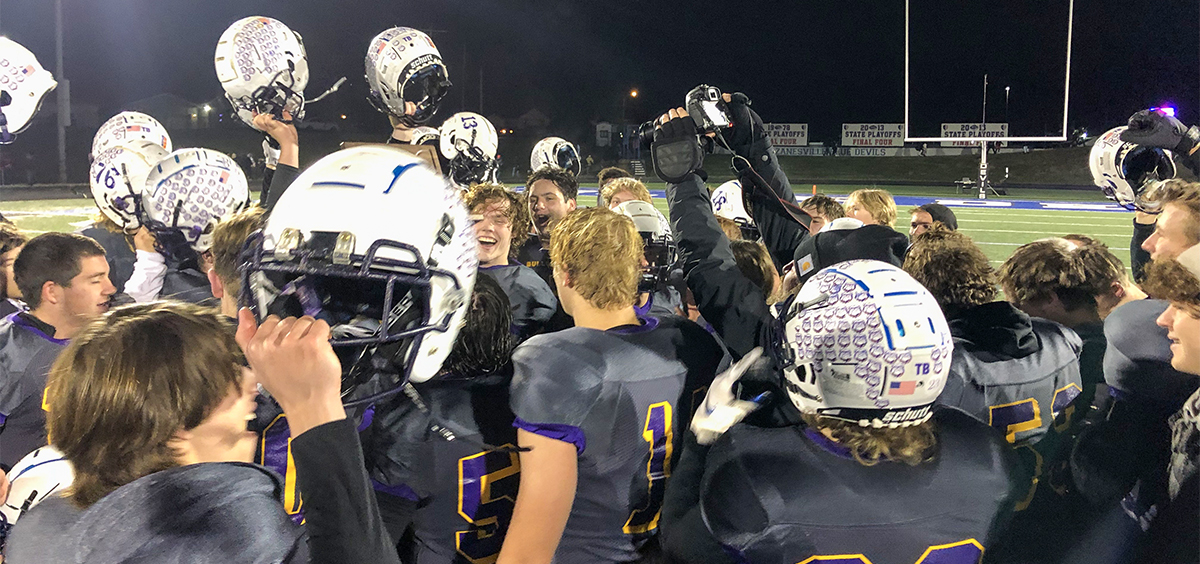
(997, 230)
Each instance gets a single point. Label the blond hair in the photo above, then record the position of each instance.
(730, 227)
(631, 185)
(910, 445)
(600, 252)
(878, 203)
(1186, 195)
(229, 238)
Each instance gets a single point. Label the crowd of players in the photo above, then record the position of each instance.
(393, 358)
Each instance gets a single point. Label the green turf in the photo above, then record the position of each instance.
(997, 231)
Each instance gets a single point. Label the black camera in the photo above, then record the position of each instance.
(707, 108)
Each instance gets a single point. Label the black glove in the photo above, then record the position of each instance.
(746, 134)
(1152, 128)
(676, 151)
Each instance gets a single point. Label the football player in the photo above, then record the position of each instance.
(875, 472)
(1018, 373)
(11, 242)
(187, 194)
(1049, 279)
(501, 226)
(656, 296)
(551, 193)
(64, 279)
(443, 454)
(601, 406)
(823, 210)
(388, 260)
(872, 207)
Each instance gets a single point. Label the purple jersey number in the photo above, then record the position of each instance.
(659, 433)
(487, 492)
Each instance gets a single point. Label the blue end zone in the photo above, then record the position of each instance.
(906, 201)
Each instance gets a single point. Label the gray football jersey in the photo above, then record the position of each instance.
(624, 397)
(532, 300)
(26, 354)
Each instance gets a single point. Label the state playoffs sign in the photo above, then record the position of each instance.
(788, 134)
(973, 130)
(872, 134)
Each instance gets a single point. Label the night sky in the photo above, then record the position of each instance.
(820, 62)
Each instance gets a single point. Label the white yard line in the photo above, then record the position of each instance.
(973, 230)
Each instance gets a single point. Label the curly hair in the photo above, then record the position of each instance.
(485, 342)
(911, 445)
(1048, 268)
(631, 185)
(480, 195)
(1168, 280)
(600, 251)
(131, 380)
(952, 267)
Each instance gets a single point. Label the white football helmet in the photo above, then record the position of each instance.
(555, 151)
(263, 68)
(425, 134)
(41, 474)
(127, 127)
(658, 245)
(727, 203)
(376, 243)
(23, 86)
(469, 142)
(403, 65)
(187, 194)
(1127, 172)
(867, 344)
(118, 177)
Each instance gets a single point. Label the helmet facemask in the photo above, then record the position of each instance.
(275, 98)
(471, 165)
(425, 88)
(661, 255)
(377, 308)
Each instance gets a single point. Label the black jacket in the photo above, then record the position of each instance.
(221, 512)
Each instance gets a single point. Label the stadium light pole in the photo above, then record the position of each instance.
(64, 94)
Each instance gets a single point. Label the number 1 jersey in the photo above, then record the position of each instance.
(624, 397)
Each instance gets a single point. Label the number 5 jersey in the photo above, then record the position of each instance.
(624, 397)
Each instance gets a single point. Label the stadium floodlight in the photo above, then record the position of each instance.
(1066, 91)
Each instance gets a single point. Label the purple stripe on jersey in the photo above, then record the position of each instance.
(556, 431)
(827, 445)
(510, 263)
(641, 311)
(398, 490)
(3, 419)
(17, 319)
(647, 324)
(367, 417)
